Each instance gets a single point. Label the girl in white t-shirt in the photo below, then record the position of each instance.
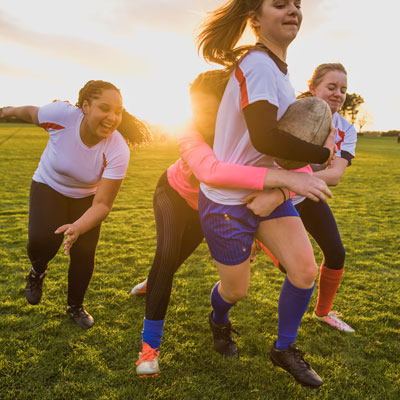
(75, 184)
(257, 95)
(329, 82)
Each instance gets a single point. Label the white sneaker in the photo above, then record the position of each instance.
(147, 364)
(140, 288)
(333, 320)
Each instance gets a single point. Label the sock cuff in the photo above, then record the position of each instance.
(296, 290)
(150, 324)
(332, 274)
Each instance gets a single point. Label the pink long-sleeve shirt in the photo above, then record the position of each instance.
(199, 164)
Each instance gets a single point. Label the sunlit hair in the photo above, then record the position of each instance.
(134, 131)
(93, 90)
(211, 82)
(319, 74)
(223, 28)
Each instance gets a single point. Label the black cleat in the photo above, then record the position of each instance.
(223, 342)
(293, 362)
(33, 288)
(80, 316)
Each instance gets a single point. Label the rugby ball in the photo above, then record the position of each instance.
(309, 119)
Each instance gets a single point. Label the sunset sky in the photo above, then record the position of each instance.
(50, 49)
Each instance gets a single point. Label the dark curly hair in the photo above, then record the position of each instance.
(134, 131)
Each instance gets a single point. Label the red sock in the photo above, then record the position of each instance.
(271, 256)
(329, 280)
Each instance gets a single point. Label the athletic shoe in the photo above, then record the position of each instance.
(33, 288)
(80, 316)
(293, 362)
(333, 320)
(222, 334)
(140, 288)
(147, 364)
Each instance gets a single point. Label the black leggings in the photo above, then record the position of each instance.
(48, 210)
(178, 235)
(319, 221)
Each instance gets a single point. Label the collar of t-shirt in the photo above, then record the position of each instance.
(283, 67)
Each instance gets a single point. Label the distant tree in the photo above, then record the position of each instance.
(364, 118)
(351, 106)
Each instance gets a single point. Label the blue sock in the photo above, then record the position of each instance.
(152, 332)
(220, 307)
(293, 303)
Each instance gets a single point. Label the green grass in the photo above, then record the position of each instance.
(44, 356)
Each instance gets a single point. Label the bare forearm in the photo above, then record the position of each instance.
(330, 177)
(93, 216)
(26, 113)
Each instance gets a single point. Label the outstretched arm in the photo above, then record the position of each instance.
(102, 204)
(26, 113)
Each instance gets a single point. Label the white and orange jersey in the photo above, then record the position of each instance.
(257, 77)
(345, 140)
(67, 165)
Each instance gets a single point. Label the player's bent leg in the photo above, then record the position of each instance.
(287, 239)
(233, 286)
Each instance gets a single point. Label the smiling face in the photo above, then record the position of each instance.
(102, 116)
(332, 88)
(277, 22)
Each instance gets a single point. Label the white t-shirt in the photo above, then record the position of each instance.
(256, 78)
(67, 165)
(345, 140)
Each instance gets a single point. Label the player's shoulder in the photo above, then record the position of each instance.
(342, 124)
(60, 113)
(117, 142)
(256, 57)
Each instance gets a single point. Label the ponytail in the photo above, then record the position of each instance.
(223, 28)
(134, 131)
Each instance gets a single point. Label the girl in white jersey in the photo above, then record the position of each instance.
(257, 95)
(75, 185)
(328, 82)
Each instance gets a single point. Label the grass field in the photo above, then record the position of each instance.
(43, 355)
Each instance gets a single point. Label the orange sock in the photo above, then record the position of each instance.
(271, 256)
(329, 280)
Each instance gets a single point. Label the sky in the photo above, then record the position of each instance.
(51, 48)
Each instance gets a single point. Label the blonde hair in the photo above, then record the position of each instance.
(319, 74)
(223, 28)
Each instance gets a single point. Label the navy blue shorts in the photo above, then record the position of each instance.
(230, 229)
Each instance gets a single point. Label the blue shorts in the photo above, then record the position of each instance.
(230, 229)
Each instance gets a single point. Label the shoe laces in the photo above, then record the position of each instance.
(225, 332)
(36, 279)
(78, 310)
(298, 356)
(147, 354)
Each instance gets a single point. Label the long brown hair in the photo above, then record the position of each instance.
(223, 28)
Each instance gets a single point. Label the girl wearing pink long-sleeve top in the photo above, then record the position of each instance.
(176, 210)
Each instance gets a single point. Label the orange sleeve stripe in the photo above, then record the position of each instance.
(51, 126)
(243, 87)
